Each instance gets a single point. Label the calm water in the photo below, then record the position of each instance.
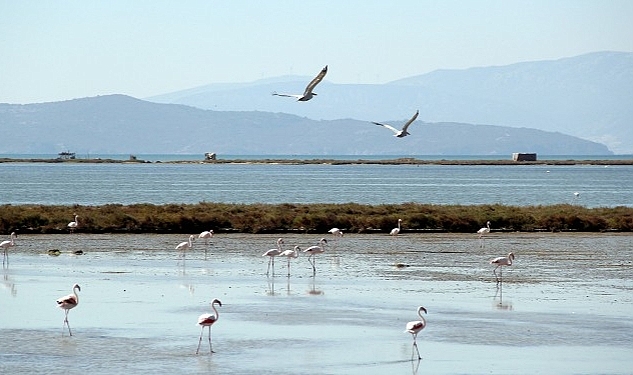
(565, 306)
(96, 184)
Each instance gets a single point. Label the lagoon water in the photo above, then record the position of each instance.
(161, 183)
(564, 307)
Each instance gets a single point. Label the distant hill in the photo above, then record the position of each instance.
(588, 96)
(118, 124)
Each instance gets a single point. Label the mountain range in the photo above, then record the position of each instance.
(573, 106)
(587, 96)
(118, 124)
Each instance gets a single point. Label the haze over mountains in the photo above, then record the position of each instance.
(522, 108)
(587, 96)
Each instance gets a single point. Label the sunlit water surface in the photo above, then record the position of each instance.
(564, 307)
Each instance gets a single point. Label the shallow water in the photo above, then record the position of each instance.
(564, 307)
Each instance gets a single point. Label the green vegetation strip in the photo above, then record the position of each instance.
(310, 218)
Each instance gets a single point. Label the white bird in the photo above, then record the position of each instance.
(500, 262)
(68, 302)
(403, 132)
(290, 254)
(184, 246)
(5, 245)
(395, 231)
(483, 231)
(336, 232)
(414, 327)
(206, 235)
(207, 320)
(313, 250)
(271, 254)
(307, 94)
(73, 224)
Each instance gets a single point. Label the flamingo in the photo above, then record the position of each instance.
(307, 94)
(271, 254)
(184, 246)
(73, 224)
(414, 327)
(68, 302)
(313, 250)
(336, 232)
(483, 231)
(395, 231)
(400, 133)
(206, 235)
(290, 254)
(500, 262)
(5, 245)
(207, 320)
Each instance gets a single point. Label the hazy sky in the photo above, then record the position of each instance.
(59, 50)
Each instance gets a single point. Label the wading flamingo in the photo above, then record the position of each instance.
(206, 235)
(5, 245)
(73, 224)
(271, 254)
(314, 250)
(482, 232)
(403, 132)
(290, 254)
(68, 302)
(395, 231)
(207, 320)
(184, 246)
(500, 262)
(307, 94)
(336, 232)
(414, 327)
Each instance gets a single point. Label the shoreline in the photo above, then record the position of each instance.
(396, 161)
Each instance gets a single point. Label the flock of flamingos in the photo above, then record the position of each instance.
(70, 301)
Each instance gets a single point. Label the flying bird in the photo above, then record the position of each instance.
(307, 94)
(68, 302)
(414, 327)
(207, 320)
(403, 132)
(500, 262)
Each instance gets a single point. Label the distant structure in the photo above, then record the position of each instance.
(520, 156)
(66, 155)
(209, 156)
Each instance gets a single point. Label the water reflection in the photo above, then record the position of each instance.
(498, 299)
(271, 286)
(313, 289)
(8, 282)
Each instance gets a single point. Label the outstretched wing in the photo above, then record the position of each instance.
(406, 126)
(315, 81)
(287, 95)
(394, 130)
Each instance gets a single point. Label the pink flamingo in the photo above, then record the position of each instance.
(500, 262)
(414, 327)
(271, 254)
(69, 302)
(207, 320)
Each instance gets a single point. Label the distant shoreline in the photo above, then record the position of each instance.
(395, 161)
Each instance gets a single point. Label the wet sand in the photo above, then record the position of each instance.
(564, 307)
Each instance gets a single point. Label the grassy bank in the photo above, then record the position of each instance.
(314, 218)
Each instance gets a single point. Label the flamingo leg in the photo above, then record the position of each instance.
(200, 340)
(415, 346)
(210, 347)
(66, 324)
(495, 272)
(268, 269)
(288, 267)
(273, 262)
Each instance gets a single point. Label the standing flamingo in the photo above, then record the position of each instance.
(73, 224)
(207, 320)
(483, 231)
(5, 245)
(290, 254)
(395, 231)
(68, 302)
(414, 327)
(271, 254)
(500, 262)
(313, 250)
(184, 246)
(206, 235)
(336, 232)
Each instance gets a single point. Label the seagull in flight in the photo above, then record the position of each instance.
(403, 132)
(307, 94)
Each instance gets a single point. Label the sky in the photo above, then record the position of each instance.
(61, 50)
